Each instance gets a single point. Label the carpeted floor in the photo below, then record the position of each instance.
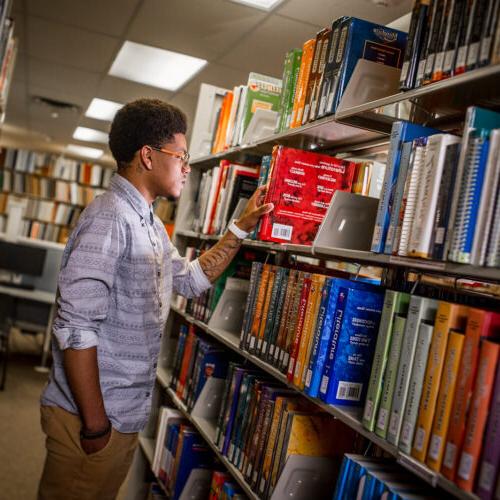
(22, 449)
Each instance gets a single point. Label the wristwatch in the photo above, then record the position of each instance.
(239, 233)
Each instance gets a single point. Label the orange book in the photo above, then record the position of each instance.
(265, 308)
(445, 399)
(448, 317)
(224, 167)
(480, 324)
(290, 290)
(185, 361)
(223, 119)
(302, 82)
(259, 306)
(307, 333)
(478, 414)
(299, 325)
(293, 317)
(87, 168)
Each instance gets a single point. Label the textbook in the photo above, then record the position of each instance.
(301, 187)
(352, 344)
(394, 303)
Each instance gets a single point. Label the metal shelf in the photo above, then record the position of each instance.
(465, 271)
(148, 447)
(350, 416)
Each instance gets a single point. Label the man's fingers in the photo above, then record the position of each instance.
(264, 209)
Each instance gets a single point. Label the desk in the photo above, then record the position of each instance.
(37, 296)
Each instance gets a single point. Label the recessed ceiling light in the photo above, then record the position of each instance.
(101, 109)
(156, 67)
(84, 151)
(260, 4)
(90, 135)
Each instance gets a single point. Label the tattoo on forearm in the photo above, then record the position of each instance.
(214, 261)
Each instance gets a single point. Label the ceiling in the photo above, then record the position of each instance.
(67, 47)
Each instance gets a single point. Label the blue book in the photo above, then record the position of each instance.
(401, 132)
(194, 454)
(352, 346)
(342, 484)
(477, 168)
(369, 41)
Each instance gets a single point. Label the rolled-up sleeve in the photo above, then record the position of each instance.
(188, 278)
(87, 274)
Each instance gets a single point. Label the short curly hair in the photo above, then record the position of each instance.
(141, 122)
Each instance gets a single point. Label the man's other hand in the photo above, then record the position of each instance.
(91, 446)
(254, 210)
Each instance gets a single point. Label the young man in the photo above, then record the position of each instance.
(118, 271)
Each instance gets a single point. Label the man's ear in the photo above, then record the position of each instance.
(145, 157)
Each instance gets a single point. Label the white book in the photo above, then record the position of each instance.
(420, 309)
(421, 235)
(487, 201)
(493, 253)
(95, 175)
(203, 190)
(238, 133)
(415, 386)
(411, 200)
(73, 193)
(211, 198)
(166, 415)
(106, 176)
(377, 172)
(10, 158)
(7, 180)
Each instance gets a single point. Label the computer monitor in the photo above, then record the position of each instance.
(22, 259)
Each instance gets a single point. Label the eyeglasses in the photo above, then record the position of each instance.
(184, 157)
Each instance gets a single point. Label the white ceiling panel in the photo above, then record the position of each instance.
(70, 46)
(63, 79)
(123, 91)
(265, 50)
(110, 17)
(323, 12)
(200, 28)
(216, 74)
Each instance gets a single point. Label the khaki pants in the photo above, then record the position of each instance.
(69, 473)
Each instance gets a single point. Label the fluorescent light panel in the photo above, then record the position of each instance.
(260, 4)
(156, 67)
(90, 135)
(93, 153)
(101, 109)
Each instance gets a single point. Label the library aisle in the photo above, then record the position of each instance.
(329, 173)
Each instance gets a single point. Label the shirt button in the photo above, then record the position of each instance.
(159, 273)
(155, 365)
(161, 304)
(148, 394)
(154, 244)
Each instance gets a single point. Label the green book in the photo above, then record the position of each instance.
(391, 371)
(394, 303)
(263, 92)
(290, 98)
(285, 89)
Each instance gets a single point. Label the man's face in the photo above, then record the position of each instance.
(170, 171)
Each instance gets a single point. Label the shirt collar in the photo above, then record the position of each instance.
(127, 190)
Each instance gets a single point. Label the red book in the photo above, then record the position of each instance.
(218, 480)
(301, 187)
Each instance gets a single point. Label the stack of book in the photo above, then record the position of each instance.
(449, 37)
(195, 360)
(366, 478)
(435, 386)
(318, 330)
(440, 195)
(239, 106)
(179, 450)
(261, 424)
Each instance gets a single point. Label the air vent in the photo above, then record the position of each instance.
(55, 105)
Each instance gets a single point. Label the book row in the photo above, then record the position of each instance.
(56, 167)
(300, 185)
(7, 52)
(366, 478)
(449, 37)
(183, 461)
(71, 192)
(440, 196)
(315, 77)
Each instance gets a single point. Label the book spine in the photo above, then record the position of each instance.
(279, 311)
(488, 34)
(457, 19)
(384, 410)
(444, 34)
(296, 64)
(285, 90)
(265, 310)
(438, 27)
(259, 305)
(464, 37)
(415, 386)
(250, 304)
(479, 28)
(315, 97)
(271, 313)
(429, 26)
(476, 421)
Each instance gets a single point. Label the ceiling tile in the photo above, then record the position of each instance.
(265, 50)
(110, 17)
(218, 75)
(123, 91)
(323, 12)
(201, 28)
(70, 46)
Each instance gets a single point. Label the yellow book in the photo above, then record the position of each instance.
(449, 317)
(445, 399)
(308, 328)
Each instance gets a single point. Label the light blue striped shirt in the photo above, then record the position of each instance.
(117, 274)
